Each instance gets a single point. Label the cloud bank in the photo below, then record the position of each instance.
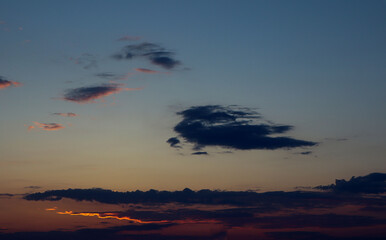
(233, 128)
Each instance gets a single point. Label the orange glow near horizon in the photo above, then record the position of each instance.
(133, 220)
(109, 215)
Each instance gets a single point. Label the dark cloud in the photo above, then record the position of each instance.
(267, 201)
(306, 153)
(317, 220)
(6, 83)
(90, 94)
(372, 183)
(234, 128)
(273, 215)
(156, 54)
(6, 195)
(200, 153)
(111, 233)
(33, 187)
(174, 142)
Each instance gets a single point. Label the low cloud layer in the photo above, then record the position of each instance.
(233, 128)
(268, 200)
(92, 93)
(156, 54)
(6, 83)
(267, 216)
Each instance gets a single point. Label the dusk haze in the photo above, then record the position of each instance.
(190, 120)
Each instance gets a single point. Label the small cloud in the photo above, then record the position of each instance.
(145, 70)
(129, 38)
(156, 54)
(6, 83)
(2, 22)
(70, 114)
(108, 75)
(305, 153)
(200, 153)
(86, 60)
(20, 28)
(33, 187)
(174, 142)
(47, 126)
(90, 94)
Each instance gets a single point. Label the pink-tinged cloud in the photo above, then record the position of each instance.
(2, 22)
(47, 126)
(5, 83)
(30, 127)
(90, 94)
(145, 70)
(129, 38)
(70, 114)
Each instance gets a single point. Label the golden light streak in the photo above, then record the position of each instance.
(109, 215)
(133, 220)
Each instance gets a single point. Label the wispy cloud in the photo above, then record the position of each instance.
(6, 83)
(86, 60)
(156, 54)
(46, 126)
(70, 114)
(145, 70)
(129, 38)
(92, 93)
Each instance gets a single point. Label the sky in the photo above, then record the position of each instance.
(222, 95)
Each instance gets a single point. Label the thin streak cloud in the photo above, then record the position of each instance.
(92, 93)
(70, 114)
(47, 126)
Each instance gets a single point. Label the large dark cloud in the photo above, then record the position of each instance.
(372, 183)
(90, 94)
(156, 54)
(232, 127)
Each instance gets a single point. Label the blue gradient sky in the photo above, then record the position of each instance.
(316, 65)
